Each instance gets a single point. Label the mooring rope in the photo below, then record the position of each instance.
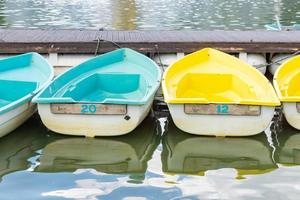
(97, 47)
(159, 58)
(277, 61)
(284, 58)
(99, 40)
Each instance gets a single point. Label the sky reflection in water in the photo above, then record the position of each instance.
(147, 164)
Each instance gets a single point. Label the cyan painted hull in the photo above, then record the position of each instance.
(21, 77)
(122, 79)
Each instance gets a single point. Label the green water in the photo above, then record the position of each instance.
(149, 163)
(148, 15)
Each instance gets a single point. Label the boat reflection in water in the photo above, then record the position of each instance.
(119, 154)
(187, 154)
(288, 150)
(18, 147)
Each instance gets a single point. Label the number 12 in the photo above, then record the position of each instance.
(222, 109)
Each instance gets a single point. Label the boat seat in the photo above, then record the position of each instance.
(98, 87)
(214, 87)
(11, 90)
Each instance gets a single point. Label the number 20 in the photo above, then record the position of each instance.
(88, 108)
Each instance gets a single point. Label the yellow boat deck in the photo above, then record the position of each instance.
(210, 76)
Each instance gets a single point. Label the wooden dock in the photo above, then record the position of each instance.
(13, 41)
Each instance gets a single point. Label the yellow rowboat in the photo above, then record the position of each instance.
(287, 85)
(212, 93)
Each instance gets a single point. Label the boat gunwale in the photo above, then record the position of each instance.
(143, 101)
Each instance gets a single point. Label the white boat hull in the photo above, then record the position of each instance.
(13, 119)
(94, 125)
(221, 125)
(291, 114)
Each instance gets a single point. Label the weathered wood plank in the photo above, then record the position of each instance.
(89, 47)
(84, 41)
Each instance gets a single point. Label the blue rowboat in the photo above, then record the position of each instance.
(104, 96)
(279, 27)
(21, 77)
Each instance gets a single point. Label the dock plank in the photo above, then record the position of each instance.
(84, 41)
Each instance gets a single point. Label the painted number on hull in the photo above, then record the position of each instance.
(88, 108)
(222, 109)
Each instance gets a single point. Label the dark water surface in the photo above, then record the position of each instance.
(148, 163)
(149, 15)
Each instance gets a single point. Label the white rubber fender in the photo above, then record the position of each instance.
(256, 60)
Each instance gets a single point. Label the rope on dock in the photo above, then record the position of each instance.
(99, 40)
(286, 57)
(97, 47)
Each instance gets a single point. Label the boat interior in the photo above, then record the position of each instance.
(211, 76)
(13, 90)
(286, 80)
(201, 85)
(98, 87)
(292, 89)
(20, 76)
(119, 77)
